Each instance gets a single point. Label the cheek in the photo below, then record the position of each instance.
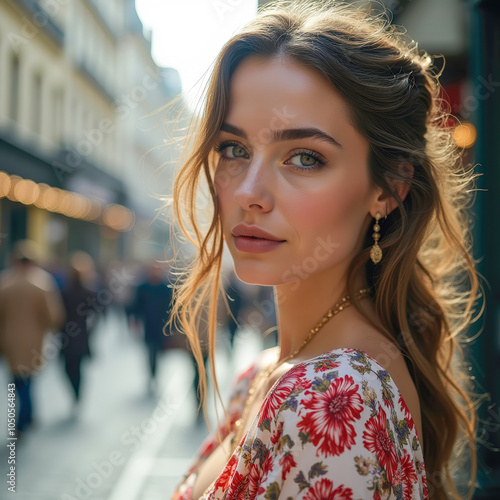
(226, 177)
(223, 189)
(319, 208)
(331, 213)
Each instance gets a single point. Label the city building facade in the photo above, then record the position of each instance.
(82, 152)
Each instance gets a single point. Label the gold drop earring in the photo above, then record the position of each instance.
(376, 251)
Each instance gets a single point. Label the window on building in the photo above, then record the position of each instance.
(14, 88)
(37, 103)
(58, 110)
(77, 122)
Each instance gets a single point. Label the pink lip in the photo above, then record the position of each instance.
(255, 231)
(255, 245)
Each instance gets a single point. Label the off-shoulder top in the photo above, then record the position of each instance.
(332, 427)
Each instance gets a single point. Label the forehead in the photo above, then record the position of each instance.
(277, 92)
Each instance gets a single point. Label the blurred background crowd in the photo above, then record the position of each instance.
(70, 299)
(85, 153)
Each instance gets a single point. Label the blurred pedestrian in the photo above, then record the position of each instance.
(150, 307)
(80, 318)
(119, 278)
(58, 270)
(30, 306)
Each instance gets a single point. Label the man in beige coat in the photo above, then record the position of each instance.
(30, 306)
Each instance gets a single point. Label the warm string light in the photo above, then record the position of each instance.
(465, 135)
(67, 203)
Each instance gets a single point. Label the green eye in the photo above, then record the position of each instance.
(305, 159)
(237, 150)
(308, 160)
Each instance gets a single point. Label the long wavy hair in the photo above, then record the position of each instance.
(426, 286)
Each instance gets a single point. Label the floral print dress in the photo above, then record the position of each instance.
(334, 427)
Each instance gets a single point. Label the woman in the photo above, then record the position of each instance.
(333, 178)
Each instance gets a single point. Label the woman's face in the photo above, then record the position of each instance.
(309, 188)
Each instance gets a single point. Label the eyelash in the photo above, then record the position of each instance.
(220, 146)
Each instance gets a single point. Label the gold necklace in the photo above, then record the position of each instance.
(237, 434)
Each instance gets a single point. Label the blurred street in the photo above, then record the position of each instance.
(123, 444)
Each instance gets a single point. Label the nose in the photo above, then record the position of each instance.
(254, 191)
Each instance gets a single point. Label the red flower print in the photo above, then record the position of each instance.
(332, 412)
(421, 472)
(237, 486)
(287, 462)
(254, 480)
(277, 433)
(267, 467)
(324, 365)
(317, 415)
(404, 408)
(323, 490)
(226, 473)
(376, 439)
(406, 475)
(292, 380)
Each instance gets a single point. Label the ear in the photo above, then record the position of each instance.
(386, 203)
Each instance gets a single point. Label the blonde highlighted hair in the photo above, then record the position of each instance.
(426, 285)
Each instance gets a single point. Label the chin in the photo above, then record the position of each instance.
(255, 274)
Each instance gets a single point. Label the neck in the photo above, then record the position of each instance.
(300, 306)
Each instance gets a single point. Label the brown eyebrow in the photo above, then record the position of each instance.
(286, 135)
